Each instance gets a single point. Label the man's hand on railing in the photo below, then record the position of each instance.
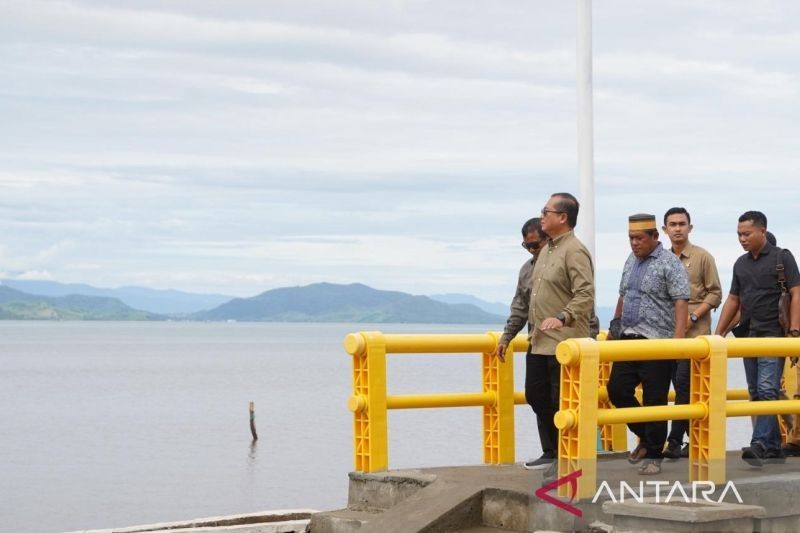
(500, 351)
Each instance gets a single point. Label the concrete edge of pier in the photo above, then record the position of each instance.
(276, 521)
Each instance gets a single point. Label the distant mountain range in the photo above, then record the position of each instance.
(163, 302)
(319, 302)
(604, 313)
(494, 308)
(17, 305)
(328, 302)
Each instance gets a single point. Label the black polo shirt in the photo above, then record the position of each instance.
(755, 282)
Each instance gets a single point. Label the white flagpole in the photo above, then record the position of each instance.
(586, 224)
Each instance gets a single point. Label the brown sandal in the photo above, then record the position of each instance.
(637, 454)
(650, 467)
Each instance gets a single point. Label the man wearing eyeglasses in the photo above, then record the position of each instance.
(561, 305)
(532, 240)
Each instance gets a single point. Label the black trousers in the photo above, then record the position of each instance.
(680, 382)
(542, 385)
(655, 378)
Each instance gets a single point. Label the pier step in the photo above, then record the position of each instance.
(341, 521)
(384, 490)
(437, 500)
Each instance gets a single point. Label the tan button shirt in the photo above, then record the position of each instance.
(704, 285)
(563, 282)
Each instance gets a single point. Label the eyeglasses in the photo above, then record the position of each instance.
(535, 245)
(545, 211)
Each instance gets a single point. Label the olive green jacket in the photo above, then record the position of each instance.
(562, 282)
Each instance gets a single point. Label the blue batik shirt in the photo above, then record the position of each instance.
(650, 286)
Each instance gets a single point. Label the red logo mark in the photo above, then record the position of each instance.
(572, 479)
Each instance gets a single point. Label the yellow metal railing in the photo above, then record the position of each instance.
(370, 401)
(581, 361)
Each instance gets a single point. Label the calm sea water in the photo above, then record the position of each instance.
(108, 424)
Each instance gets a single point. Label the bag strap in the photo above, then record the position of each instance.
(781, 271)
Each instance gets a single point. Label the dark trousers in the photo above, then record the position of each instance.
(680, 382)
(542, 385)
(655, 377)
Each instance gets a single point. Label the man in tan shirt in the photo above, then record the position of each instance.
(705, 295)
(561, 302)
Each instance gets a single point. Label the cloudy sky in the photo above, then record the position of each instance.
(240, 146)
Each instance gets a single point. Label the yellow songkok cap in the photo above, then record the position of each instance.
(641, 222)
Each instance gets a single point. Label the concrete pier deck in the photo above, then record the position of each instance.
(502, 498)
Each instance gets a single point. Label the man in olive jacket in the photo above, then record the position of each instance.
(561, 304)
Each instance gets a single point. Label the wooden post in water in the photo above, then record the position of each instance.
(253, 421)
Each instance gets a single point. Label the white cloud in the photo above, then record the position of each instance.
(34, 275)
(242, 146)
(722, 76)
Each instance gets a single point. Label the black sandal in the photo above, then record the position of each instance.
(650, 467)
(637, 454)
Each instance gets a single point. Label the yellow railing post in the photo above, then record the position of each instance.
(789, 387)
(708, 386)
(789, 379)
(368, 402)
(498, 418)
(577, 418)
(614, 436)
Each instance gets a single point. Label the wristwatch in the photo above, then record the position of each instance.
(794, 332)
(562, 317)
(693, 317)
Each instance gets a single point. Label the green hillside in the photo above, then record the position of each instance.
(328, 302)
(18, 305)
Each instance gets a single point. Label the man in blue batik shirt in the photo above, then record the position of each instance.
(653, 304)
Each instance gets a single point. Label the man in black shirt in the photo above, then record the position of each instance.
(756, 288)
